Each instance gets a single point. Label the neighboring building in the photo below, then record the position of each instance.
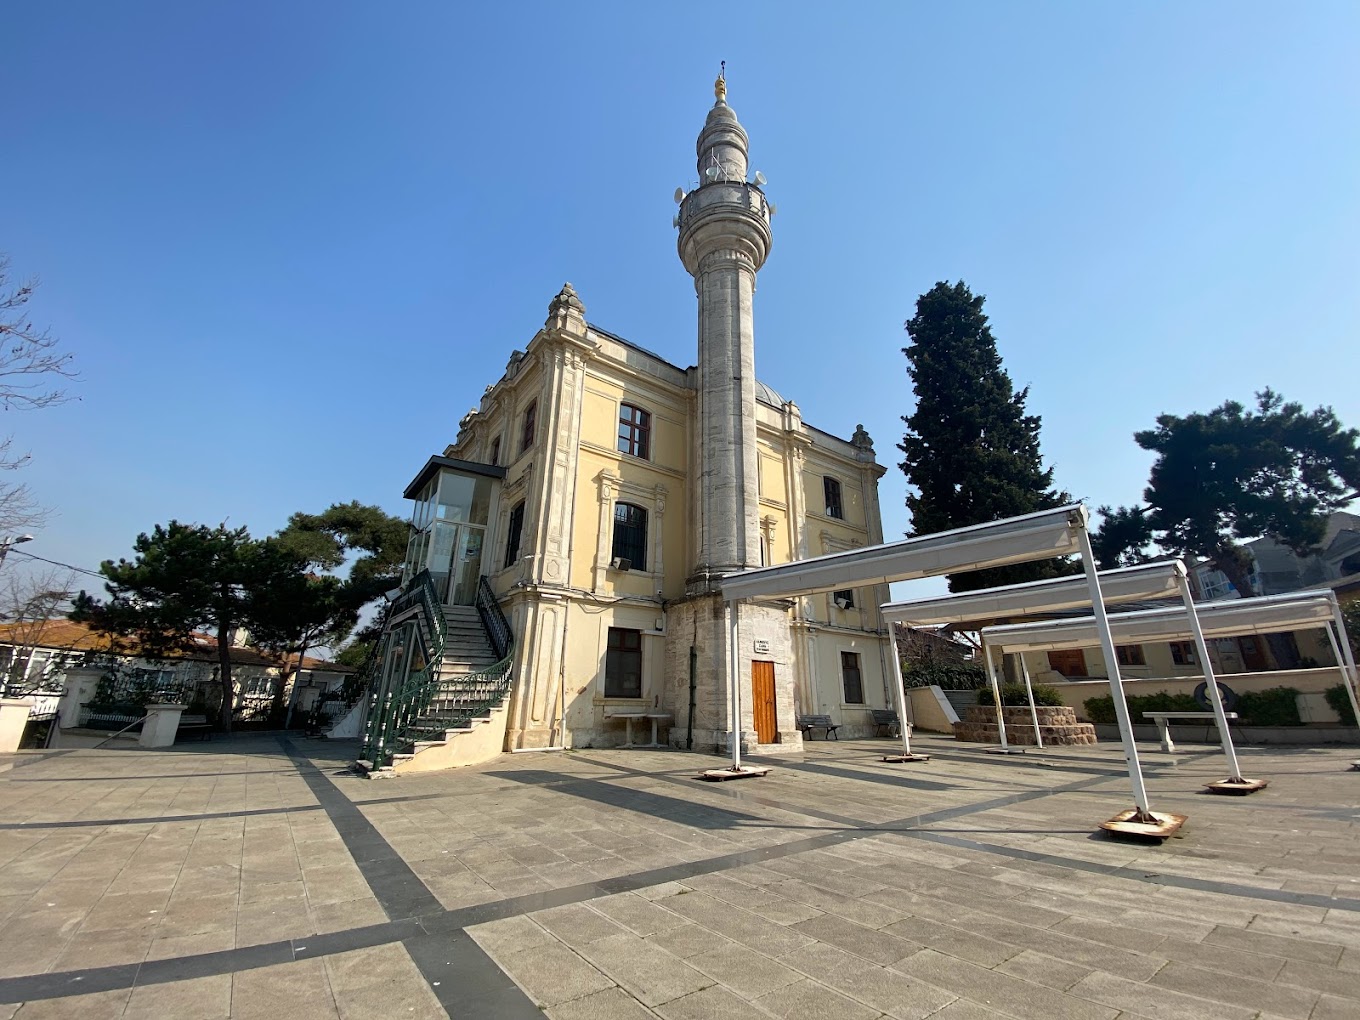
(599, 491)
(1300, 649)
(1277, 569)
(37, 656)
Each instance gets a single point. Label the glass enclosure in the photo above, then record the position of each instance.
(448, 528)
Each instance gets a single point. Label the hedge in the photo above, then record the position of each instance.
(1341, 704)
(1277, 706)
(1014, 694)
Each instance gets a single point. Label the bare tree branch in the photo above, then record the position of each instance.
(29, 359)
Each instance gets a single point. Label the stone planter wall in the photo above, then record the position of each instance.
(1058, 725)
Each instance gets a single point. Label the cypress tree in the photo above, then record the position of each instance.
(971, 451)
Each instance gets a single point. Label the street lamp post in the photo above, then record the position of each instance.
(11, 540)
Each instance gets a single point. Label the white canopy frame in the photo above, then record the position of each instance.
(1264, 615)
(976, 609)
(1039, 536)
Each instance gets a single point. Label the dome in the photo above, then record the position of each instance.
(767, 395)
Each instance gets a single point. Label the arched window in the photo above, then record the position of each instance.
(630, 536)
(635, 431)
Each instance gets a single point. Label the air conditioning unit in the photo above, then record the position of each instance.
(621, 563)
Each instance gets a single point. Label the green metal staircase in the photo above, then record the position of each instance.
(413, 699)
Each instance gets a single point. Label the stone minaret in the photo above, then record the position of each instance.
(724, 239)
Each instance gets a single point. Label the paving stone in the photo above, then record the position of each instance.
(295, 990)
(748, 973)
(1144, 1000)
(808, 1000)
(511, 935)
(610, 1004)
(638, 915)
(739, 925)
(689, 940)
(576, 924)
(876, 946)
(1234, 988)
(1331, 1007)
(553, 974)
(205, 998)
(648, 973)
(1022, 999)
(1324, 979)
(1043, 970)
(952, 941)
(715, 1003)
(1274, 945)
(893, 993)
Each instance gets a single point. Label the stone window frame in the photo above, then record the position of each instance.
(634, 545)
(495, 456)
(858, 670)
(514, 534)
(1130, 655)
(651, 498)
(614, 654)
(1184, 653)
(529, 426)
(639, 438)
(833, 497)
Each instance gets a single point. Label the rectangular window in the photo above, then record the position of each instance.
(1183, 653)
(513, 536)
(831, 487)
(623, 664)
(496, 450)
(1130, 655)
(843, 599)
(530, 420)
(630, 535)
(635, 431)
(851, 679)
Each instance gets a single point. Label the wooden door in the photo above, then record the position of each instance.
(1069, 662)
(762, 700)
(1253, 655)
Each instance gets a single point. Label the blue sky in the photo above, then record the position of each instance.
(289, 244)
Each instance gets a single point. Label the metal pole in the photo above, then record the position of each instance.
(901, 697)
(734, 679)
(1121, 707)
(1341, 650)
(1210, 681)
(996, 692)
(1029, 692)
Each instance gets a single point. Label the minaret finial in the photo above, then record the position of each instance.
(720, 86)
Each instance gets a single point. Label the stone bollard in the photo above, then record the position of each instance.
(13, 719)
(162, 723)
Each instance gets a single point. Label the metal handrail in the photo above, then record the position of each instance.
(493, 619)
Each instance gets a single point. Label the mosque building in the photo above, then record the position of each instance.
(597, 492)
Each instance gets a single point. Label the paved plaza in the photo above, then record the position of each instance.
(258, 878)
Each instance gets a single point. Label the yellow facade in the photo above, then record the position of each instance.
(563, 592)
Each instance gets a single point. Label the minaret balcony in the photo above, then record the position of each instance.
(724, 214)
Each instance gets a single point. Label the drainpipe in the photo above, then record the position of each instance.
(693, 681)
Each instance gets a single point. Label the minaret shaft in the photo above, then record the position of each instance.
(729, 496)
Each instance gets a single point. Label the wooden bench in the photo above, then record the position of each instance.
(807, 723)
(198, 725)
(1161, 718)
(883, 719)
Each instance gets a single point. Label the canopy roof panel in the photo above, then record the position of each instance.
(1016, 540)
(1265, 615)
(1127, 584)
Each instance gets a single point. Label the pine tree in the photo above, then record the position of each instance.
(972, 453)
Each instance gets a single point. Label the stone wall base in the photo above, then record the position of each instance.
(1057, 725)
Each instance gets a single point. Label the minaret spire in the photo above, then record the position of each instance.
(720, 86)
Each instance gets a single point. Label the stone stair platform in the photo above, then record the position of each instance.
(1058, 726)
